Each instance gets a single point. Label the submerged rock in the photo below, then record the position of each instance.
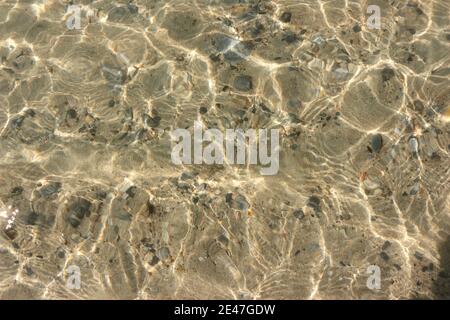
(286, 17)
(123, 14)
(114, 75)
(223, 239)
(72, 114)
(243, 83)
(74, 221)
(238, 51)
(384, 256)
(387, 74)
(50, 189)
(229, 198)
(11, 233)
(414, 145)
(241, 203)
(222, 42)
(163, 253)
(22, 60)
(414, 189)
(314, 202)
(290, 37)
(16, 191)
(153, 122)
(131, 191)
(32, 218)
(183, 25)
(79, 209)
(418, 106)
(61, 253)
(299, 214)
(233, 50)
(418, 255)
(17, 122)
(377, 142)
(386, 245)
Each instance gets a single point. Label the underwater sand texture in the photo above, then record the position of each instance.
(85, 121)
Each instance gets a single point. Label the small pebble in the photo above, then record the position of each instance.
(17, 191)
(241, 203)
(414, 145)
(384, 256)
(72, 114)
(299, 214)
(163, 253)
(60, 253)
(414, 189)
(229, 198)
(17, 122)
(386, 245)
(29, 271)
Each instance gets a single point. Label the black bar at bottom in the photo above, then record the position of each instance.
(218, 309)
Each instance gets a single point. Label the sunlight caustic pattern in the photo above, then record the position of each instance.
(94, 207)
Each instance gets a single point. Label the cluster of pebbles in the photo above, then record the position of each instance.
(85, 121)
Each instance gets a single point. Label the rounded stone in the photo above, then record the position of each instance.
(377, 142)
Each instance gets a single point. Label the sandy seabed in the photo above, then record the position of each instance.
(85, 122)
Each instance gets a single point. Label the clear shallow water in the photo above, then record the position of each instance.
(85, 117)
